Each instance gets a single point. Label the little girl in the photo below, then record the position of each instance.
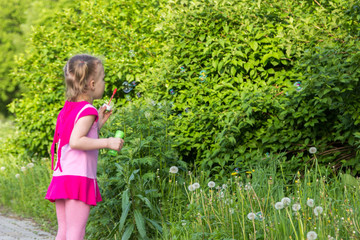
(73, 187)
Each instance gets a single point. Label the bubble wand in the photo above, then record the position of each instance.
(112, 96)
(108, 107)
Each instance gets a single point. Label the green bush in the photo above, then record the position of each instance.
(120, 31)
(228, 68)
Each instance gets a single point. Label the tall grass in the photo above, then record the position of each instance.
(258, 203)
(24, 182)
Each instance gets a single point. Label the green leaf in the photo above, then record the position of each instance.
(125, 199)
(140, 223)
(155, 224)
(123, 217)
(148, 203)
(128, 231)
(254, 46)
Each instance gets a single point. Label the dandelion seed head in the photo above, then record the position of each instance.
(2, 168)
(312, 150)
(286, 201)
(191, 188)
(311, 235)
(251, 216)
(318, 210)
(174, 169)
(224, 186)
(30, 165)
(296, 207)
(23, 169)
(196, 185)
(310, 202)
(211, 184)
(279, 205)
(17, 175)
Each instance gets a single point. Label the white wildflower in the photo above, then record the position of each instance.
(279, 205)
(222, 195)
(296, 207)
(174, 169)
(196, 185)
(147, 115)
(30, 165)
(247, 187)
(211, 184)
(183, 222)
(286, 201)
(23, 169)
(312, 150)
(2, 168)
(311, 235)
(191, 188)
(310, 202)
(224, 186)
(251, 216)
(17, 175)
(318, 210)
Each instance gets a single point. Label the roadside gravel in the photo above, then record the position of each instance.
(14, 228)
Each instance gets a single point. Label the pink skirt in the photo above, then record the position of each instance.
(74, 187)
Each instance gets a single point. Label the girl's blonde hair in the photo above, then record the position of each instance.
(77, 72)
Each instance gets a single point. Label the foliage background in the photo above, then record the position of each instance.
(17, 19)
(252, 54)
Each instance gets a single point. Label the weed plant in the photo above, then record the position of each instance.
(149, 192)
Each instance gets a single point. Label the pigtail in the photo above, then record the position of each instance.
(81, 73)
(78, 71)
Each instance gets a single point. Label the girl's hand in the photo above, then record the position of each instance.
(115, 143)
(103, 116)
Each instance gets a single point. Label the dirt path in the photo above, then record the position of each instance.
(13, 228)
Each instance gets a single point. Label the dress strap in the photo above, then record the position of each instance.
(56, 139)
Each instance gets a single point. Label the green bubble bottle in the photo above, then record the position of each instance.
(118, 134)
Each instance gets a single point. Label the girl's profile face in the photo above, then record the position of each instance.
(99, 82)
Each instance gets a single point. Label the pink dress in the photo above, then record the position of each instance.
(75, 172)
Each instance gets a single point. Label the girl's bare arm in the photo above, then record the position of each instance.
(80, 141)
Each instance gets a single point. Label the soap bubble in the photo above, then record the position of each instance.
(126, 87)
(132, 53)
(202, 76)
(259, 216)
(298, 86)
(128, 98)
(171, 91)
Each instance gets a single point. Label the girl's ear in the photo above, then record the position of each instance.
(92, 84)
